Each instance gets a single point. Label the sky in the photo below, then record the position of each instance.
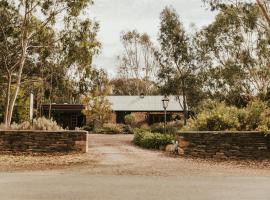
(115, 16)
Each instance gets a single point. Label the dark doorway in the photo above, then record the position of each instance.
(67, 116)
(158, 118)
(120, 117)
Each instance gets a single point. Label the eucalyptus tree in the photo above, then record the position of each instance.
(263, 6)
(131, 86)
(30, 28)
(234, 54)
(176, 61)
(137, 61)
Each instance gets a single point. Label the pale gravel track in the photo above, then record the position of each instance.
(115, 154)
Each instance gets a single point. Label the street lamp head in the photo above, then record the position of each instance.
(165, 102)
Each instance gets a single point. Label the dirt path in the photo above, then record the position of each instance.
(115, 154)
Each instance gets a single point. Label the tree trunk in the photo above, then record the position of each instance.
(184, 102)
(14, 96)
(50, 99)
(7, 100)
(264, 11)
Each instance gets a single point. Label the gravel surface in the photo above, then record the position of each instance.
(115, 169)
(116, 155)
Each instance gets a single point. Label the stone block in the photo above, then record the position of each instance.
(182, 143)
(169, 148)
(181, 151)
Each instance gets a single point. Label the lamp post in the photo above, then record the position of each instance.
(165, 102)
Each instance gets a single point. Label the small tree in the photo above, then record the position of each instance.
(98, 109)
(130, 119)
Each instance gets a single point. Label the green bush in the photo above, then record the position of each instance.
(171, 127)
(255, 112)
(151, 140)
(220, 117)
(130, 119)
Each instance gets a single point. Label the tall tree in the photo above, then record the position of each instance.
(234, 55)
(175, 57)
(263, 5)
(138, 60)
(124, 86)
(24, 25)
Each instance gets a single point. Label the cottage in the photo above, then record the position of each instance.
(146, 109)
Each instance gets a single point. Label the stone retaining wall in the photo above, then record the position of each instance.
(43, 141)
(224, 145)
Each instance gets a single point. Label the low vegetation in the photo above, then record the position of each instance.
(149, 140)
(214, 116)
(130, 119)
(110, 128)
(42, 124)
(171, 127)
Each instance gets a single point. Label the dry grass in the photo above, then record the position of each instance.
(11, 162)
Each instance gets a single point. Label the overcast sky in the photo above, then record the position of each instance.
(116, 16)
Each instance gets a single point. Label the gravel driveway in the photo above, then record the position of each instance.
(122, 171)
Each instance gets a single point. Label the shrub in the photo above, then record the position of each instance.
(151, 140)
(145, 127)
(254, 117)
(87, 128)
(3, 127)
(157, 127)
(45, 124)
(130, 119)
(171, 127)
(110, 128)
(220, 117)
(42, 124)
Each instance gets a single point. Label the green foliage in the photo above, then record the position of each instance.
(42, 57)
(98, 109)
(130, 119)
(176, 60)
(232, 53)
(171, 127)
(219, 117)
(133, 86)
(21, 110)
(151, 140)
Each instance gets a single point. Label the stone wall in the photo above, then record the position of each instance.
(224, 145)
(43, 141)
